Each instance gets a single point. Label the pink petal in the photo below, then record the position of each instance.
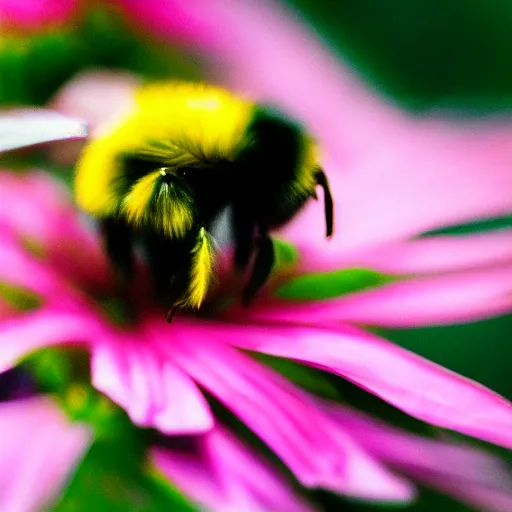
(38, 209)
(22, 128)
(100, 97)
(469, 474)
(194, 474)
(40, 450)
(437, 300)
(154, 392)
(282, 415)
(34, 205)
(25, 333)
(221, 473)
(409, 382)
(21, 270)
(434, 254)
(18, 268)
(447, 299)
(7, 310)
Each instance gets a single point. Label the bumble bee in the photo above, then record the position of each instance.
(161, 175)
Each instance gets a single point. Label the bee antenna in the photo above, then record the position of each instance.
(171, 313)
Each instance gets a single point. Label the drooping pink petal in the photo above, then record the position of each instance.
(282, 415)
(152, 390)
(40, 450)
(221, 473)
(27, 332)
(22, 128)
(433, 300)
(415, 385)
(434, 254)
(465, 472)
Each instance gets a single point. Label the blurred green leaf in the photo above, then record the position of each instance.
(107, 41)
(51, 369)
(118, 310)
(478, 225)
(19, 298)
(32, 69)
(327, 285)
(286, 255)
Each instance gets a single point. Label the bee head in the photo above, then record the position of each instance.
(158, 197)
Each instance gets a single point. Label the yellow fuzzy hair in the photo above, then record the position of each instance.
(201, 272)
(175, 124)
(177, 213)
(308, 166)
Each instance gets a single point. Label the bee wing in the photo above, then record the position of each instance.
(221, 228)
(22, 128)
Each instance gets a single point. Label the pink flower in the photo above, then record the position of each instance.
(440, 279)
(393, 178)
(40, 450)
(210, 477)
(153, 369)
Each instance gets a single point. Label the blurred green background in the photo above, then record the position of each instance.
(426, 53)
(454, 55)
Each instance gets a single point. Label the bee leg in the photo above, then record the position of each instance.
(244, 234)
(168, 293)
(118, 242)
(321, 179)
(263, 263)
(168, 262)
(171, 313)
